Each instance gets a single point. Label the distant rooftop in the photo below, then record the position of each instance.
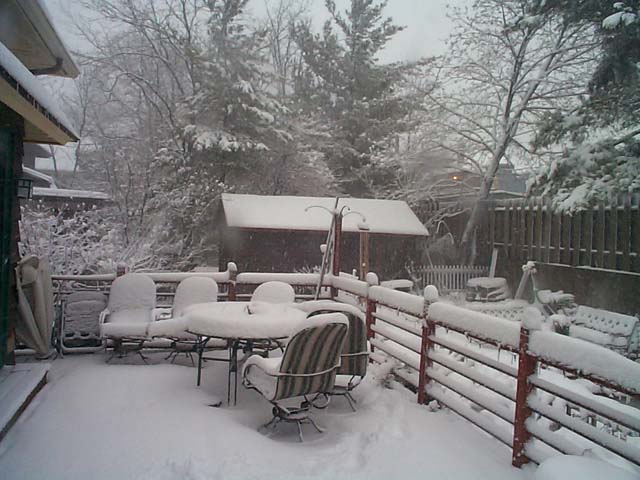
(68, 193)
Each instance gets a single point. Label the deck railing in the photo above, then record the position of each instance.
(505, 377)
(457, 357)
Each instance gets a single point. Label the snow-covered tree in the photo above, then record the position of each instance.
(344, 82)
(74, 241)
(601, 136)
(510, 62)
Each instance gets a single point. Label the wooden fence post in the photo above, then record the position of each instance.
(233, 274)
(526, 368)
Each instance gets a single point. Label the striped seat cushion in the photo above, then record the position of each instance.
(308, 365)
(355, 356)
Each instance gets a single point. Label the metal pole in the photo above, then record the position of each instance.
(526, 368)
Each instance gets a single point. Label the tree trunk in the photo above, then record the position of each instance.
(468, 248)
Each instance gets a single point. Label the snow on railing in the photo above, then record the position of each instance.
(504, 333)
(587, 358)
(416, 331)
(430, 341)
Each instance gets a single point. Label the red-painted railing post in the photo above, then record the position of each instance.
(428, 329)
(526, 368)
(372, 280)
(233, 274)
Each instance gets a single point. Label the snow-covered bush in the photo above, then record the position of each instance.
(74, 241)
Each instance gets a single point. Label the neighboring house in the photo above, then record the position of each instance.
(29, 45)
(282, 233)
(462, 185)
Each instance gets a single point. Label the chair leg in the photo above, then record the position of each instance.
(315, 425)
(298, 416)
(144, 358)
(351, 400)
(269, 427)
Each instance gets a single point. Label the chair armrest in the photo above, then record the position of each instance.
(270, 366)
(103, 316)
(161, 313)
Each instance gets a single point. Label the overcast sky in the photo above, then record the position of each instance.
(425, 21)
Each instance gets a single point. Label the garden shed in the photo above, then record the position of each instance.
(284, 233)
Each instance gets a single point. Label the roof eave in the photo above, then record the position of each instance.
(39, 17)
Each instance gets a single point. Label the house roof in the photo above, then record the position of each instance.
(23, 93)
(293, 213)
(26, 30)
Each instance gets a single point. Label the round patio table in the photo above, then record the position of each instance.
(245, 325)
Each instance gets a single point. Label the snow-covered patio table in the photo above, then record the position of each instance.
(244, 324)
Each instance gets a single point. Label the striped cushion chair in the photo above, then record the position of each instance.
(307, 367)
(355, 354)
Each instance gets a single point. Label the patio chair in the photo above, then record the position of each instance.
(274, 292)
(190, 291)
(124, 323)
(80, 329)
(355, 355)
(307, 367)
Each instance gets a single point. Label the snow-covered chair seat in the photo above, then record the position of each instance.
(132, 300)
(355, 354)
(80, 328)
(307, 367)
(612, 330)
(190, 292)
(274, 292)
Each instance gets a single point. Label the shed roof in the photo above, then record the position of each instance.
(293, 213)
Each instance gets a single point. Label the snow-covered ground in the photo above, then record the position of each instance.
(136, 421)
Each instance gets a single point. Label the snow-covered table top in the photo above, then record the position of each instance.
(245, 320)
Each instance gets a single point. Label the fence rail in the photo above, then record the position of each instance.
(604, 236)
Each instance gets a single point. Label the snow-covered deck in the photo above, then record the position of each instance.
(136, 421)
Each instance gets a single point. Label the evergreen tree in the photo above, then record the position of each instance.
(228, 128)
(601, 136)
(344, 83)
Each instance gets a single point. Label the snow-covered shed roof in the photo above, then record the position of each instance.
(392, 217)
(22, 92)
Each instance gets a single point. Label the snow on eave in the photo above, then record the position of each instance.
(39, 17)
(23, 93)
(263, 212)
(68, 193)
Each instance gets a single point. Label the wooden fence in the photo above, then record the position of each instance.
(606, 236)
